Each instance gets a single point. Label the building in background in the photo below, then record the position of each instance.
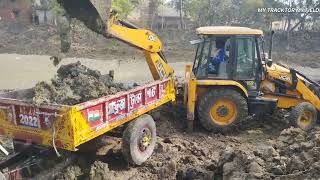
(140, 14)
(42, 13)
(169, 18)
(26, 12)
(165, 18)
(16, 11)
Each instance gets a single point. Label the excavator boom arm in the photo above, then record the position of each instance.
(145, 40)
(96, 15)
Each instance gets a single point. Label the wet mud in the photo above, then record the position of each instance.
(75, 83)
(265, 150)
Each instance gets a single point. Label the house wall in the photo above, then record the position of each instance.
(140, 14)
(16, 10)
(50, 17)
(166, 17)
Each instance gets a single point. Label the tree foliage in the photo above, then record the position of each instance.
(124, 7)
(227, 12)
(55, 8)
(241, 12)
(153, 12)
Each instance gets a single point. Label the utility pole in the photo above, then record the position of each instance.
(181, 15)
(289, 27)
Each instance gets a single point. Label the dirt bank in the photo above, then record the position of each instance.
(311, 59)
(45, 40)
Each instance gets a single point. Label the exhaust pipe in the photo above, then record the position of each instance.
(269, 60)
(271, 45)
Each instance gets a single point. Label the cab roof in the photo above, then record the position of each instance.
(228, 30)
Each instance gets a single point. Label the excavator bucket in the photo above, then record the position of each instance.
(93, 13)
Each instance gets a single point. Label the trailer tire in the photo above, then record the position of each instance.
(19, 146)
(221, 110)
(139, 140)
(303, 116)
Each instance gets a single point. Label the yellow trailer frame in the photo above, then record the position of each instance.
(67, 127)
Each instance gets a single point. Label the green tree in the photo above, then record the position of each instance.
(248, 11)
(153, 12)
(229, 12)
(124, 7)
(55, 8)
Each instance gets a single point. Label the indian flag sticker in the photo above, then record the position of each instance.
(94, 115)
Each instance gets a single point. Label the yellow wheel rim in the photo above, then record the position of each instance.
(223, 112)
(146, 139)
(305, 119)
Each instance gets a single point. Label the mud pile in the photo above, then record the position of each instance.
(73, 84)
(299, 152)
(295, 154)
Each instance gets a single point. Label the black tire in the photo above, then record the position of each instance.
(215, 96)
(134, 149)
(19, 146)
(303, 116)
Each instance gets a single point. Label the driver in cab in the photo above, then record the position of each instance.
(217, 57)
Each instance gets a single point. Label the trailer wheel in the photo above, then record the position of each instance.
(139, 140)
(19, 146)
(303, 116)
(222, 109)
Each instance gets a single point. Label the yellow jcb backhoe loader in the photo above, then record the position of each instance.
(245, 82)
(222, 92)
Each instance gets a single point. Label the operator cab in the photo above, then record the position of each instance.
(229, 53)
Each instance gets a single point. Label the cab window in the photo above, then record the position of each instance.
(203, 63)
(197, 57)
(246, 58)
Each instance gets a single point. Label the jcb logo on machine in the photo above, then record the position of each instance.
(160, 68)
(284, 77)
(152, 38)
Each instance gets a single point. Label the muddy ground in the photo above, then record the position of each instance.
(259, 149)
